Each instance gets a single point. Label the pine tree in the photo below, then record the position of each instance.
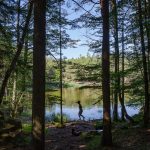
(107, 137)
(39, 51)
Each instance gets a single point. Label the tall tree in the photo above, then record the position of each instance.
(107, 136)
(38, 103)
(147, 23)
(122, 88)
(146, 88)
(117, 76)
(18, 52)
(60, 65)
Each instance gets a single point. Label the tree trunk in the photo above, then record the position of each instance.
(125, 111)
(146, 107)
(13, 101)
(15, 59)
(18, 22)
(38, 103)
(25, 65)
(117, 77)
(136, 52)
(147, 17)
(60, 63)
(122, 88)
(107, 136)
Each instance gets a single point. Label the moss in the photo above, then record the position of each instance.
(27, 128)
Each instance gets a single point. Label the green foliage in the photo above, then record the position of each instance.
(138, 118)
(94, 143)
(98, 125)
(27, 128)
(59, 125)
(68, 85)
(121, 125)
(83, 69)
(57, 117)
(26, 113)
(21, 141)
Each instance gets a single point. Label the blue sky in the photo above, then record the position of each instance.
(75, 52)
(80, 49)
(77, 34)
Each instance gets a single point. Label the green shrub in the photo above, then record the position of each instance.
(98, 125)
(26, 114)
(27, 128)
(138, 118)
(57, 118)
(22, 141)
(94, 143)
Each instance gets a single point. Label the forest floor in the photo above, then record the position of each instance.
(130, 138)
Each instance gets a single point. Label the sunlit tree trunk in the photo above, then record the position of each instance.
(107, 136)
(13, 101)
(38, 103)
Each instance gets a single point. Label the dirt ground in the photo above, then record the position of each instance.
(59, 138)
(62, 138)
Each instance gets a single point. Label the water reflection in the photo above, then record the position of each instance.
(90, 113)
(87, 97)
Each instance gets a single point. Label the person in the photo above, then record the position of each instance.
(80, 110)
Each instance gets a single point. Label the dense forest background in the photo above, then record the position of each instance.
(33, 35)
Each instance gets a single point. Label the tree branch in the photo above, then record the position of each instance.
(16, 57)
(83, 8)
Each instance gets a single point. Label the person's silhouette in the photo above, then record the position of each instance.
(80, 110)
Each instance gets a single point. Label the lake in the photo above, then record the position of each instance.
(87, 96)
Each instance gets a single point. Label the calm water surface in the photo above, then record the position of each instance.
(87, 97)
